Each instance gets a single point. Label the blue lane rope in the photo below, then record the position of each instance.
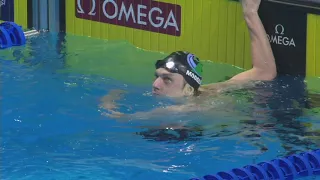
(11, 34)
(290, 167)
(5, 40)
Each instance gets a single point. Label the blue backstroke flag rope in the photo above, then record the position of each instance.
(11, 34)
(291, 167)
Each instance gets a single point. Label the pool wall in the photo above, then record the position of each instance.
(212, 29)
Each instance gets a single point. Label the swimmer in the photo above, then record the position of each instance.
(180, 73)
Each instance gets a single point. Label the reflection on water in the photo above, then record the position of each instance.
(52, 127)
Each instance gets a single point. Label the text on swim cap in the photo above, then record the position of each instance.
(193, 76)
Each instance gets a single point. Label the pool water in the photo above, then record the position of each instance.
(53, 127)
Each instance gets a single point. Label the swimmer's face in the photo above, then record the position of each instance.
(168, 84)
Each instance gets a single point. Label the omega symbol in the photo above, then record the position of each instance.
(277, 28)
(80, 9)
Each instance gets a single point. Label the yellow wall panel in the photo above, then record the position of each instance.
(187, 28)
(239, 38)
(154, 45)
(317, 46)
(222, 36)
(214, 31)
(196, 7)
(205, 27)
(21, 13)
(313, 45)
(95, 29)
(311, 42)
(231, 26)
(70, 17)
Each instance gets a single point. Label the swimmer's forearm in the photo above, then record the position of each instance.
(262, 56)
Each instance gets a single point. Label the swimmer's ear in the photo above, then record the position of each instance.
(188, 90)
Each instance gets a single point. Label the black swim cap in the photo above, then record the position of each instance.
(184, 63)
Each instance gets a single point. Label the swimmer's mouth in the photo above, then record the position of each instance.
(155, 93)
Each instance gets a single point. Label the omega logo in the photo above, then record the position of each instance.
(159, 17)
(276, 28)
(81, 11)
(279, 37)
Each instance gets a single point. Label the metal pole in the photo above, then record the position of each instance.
(54, 15)
(35, 14)
(43, 14)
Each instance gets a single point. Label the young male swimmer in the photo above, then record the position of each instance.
(180, 73)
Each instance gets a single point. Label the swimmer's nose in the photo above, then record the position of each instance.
(156, 85)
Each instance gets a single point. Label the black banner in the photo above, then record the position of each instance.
(286, 28)
(7, 10)
(310, 6)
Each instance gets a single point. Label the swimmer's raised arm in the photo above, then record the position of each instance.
(263, 61)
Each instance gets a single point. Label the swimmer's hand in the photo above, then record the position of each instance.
(113, 114)
(250, 6)
(108, 101)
